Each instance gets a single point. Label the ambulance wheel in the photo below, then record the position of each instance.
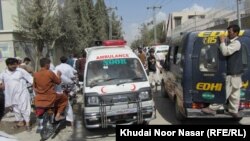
(163, 90)
(145, 123)
(178, 114)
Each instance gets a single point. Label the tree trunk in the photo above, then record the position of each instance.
(39, 50)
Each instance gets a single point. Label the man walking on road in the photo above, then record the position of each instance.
(17, 95)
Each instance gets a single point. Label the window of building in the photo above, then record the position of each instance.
(202, 16)
(177, 21)
(198, 16)
(191, 16)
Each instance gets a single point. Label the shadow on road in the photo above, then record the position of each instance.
(100, 133)
(165, 107)
(80, 133)
(166, 110)
(211, 121)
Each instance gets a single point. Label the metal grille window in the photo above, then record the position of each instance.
(208, 58)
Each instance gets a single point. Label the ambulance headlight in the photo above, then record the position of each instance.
(92, 100)
(144, 95)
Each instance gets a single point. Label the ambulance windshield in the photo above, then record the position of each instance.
(114, 72)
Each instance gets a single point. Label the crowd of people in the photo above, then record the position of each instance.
(48, 80)
(47, 85)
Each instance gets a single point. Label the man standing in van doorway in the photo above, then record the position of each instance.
(231, 49)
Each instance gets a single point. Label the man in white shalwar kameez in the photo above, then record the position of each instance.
(68, 74)
(16, 93)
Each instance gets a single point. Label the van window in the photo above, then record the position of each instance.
(114, 71)
(179, 55)
(176, 54)
(208, 58)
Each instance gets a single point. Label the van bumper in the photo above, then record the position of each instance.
(98, 120)
(197, 113)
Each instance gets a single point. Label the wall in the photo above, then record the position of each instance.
(9, 14)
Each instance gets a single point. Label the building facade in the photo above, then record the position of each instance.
(10, 41)
(12, 44)
(215, 18)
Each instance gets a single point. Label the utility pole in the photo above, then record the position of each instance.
(110, 21)
(238, 13)
(195, 21)
(154, 20)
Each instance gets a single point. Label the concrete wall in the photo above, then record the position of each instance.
(9, 14)
(6, 48)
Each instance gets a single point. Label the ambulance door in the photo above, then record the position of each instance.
(208, 71)
(245, 44)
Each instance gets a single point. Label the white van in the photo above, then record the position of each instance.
(160, 52)
(116, 87)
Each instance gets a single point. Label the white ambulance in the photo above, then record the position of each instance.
(116, 87)
(160, 52)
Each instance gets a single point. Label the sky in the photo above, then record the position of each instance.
(135, 12)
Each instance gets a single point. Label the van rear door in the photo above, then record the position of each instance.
(208, 71)
(245, 44)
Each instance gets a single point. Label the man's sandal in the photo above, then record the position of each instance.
(16, 126)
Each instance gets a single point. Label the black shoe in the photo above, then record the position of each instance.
(208, 111)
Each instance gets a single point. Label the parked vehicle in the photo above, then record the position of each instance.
(116, 87)
(196, 74)
(160, 52)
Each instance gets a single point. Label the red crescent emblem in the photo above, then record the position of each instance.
(133, 88)
(102, 90)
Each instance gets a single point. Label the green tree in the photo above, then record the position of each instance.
(38, 22)
(145, 37)
(77, 26)
(91, 20)
(86, 26)
(161, 34)
(69, 27)
(101, 21)
(116, 27)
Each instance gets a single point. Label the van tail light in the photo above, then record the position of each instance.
(244, 105)
(197, 105)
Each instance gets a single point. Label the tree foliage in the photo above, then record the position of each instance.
(101, 21)
(86, 22)
(147, 35)
(116, 26)
(38, 22)
(73, 25)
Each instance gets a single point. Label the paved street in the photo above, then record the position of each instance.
(165, 116)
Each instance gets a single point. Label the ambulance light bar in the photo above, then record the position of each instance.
(114, 43)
